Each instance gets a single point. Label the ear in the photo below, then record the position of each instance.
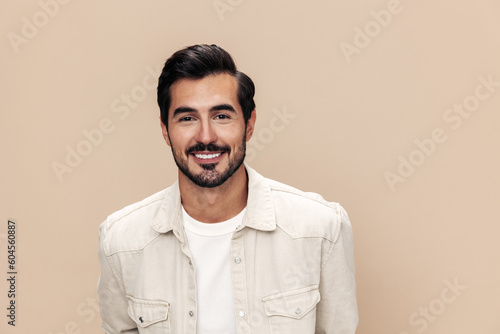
(251, 124)
(164, 132)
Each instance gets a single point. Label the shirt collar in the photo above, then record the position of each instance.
(260, 207)
(259, 213)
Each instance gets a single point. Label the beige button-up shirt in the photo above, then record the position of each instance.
(292, 265)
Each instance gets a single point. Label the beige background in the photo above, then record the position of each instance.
(350, 118)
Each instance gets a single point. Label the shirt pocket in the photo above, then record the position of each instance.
(292, 311)
(151, 316)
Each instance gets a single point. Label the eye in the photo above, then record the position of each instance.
(185, 119)
(222, 116)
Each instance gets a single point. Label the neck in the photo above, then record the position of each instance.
(214, 205)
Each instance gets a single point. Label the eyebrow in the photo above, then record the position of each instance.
(182, 110)
(224, 106)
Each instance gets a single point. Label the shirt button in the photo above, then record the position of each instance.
(237, 260)
(191, 313)
(241, 313)
(298, 310)
(190, 263)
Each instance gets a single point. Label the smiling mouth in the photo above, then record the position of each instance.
(207, 156)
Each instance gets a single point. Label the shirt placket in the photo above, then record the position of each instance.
(239, 282)
(191, 305)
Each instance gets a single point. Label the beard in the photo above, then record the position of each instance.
(210, 177)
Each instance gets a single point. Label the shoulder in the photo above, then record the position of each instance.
(306, 214)
(129, 228)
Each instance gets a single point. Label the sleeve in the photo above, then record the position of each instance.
(112, 301)
(337, 312)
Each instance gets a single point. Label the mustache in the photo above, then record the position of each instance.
(210, 147)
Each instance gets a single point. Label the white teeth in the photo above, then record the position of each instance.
(207, 156)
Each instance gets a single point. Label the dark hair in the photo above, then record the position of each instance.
(197, 62)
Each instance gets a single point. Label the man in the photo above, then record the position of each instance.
(223, 250)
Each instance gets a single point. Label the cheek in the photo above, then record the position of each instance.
(179, 139)
(232, 136)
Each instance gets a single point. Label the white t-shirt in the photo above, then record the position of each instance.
(210, 246)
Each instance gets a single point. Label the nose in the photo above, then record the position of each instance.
(206, 133)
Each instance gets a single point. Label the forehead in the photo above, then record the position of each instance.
(205, 93)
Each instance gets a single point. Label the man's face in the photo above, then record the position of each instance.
(206, 129)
